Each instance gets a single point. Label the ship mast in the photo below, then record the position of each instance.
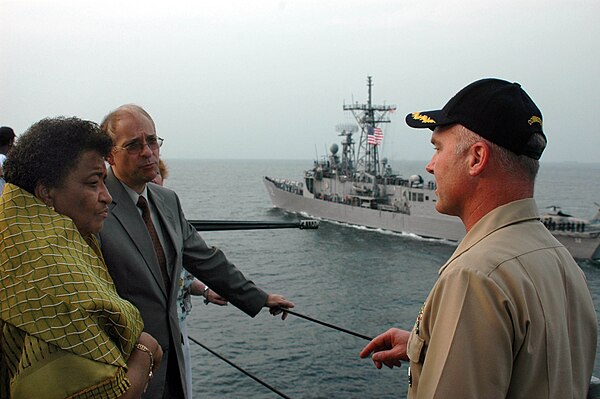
(368, 117)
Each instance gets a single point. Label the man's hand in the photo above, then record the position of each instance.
(277, 304)
(388, 348)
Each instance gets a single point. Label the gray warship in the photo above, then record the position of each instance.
(354, 186)
(580, 236)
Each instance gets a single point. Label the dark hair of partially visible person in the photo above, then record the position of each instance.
(50, 149)
(6, 135)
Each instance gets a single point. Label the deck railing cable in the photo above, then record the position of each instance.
(292, 313)
(240, 369)
(210, 225)
(328, 325)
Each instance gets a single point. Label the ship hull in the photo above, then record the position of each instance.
(580, 245)
(430, 224)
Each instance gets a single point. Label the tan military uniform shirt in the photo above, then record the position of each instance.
(510, 316)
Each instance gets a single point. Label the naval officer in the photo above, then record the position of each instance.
(510, 315)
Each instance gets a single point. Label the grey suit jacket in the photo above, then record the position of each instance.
(129, 255)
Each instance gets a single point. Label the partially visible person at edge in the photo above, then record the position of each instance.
(7, 139)
(188, 286)
(134, 261)
(511, 315)
(64, 331)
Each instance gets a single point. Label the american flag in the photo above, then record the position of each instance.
(374, 135)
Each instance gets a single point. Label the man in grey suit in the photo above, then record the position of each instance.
(146, 272)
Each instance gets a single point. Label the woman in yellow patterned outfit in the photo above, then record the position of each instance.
(64, 331)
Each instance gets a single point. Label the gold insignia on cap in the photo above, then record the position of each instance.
(535, 119)
(423, 118)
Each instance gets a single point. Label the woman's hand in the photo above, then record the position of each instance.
(215, 298)
(142, 364)
(198, 288)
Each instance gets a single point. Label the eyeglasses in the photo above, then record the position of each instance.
(136, 147)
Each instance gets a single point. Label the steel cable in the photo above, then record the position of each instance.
(240, 369)
(327, 324)
(297, 315)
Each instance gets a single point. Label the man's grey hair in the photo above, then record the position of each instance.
(110, 120)
(520, 165)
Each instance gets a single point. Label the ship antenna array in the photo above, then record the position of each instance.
(368, 116)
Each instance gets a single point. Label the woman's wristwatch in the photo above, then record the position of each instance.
(205, 294)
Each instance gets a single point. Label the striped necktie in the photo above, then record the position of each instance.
(158, 249)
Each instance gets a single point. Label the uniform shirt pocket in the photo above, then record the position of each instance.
(414, 347)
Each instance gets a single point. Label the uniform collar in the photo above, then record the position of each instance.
(514, 212)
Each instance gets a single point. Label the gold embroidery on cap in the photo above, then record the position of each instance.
(535, 119)
(423, 118)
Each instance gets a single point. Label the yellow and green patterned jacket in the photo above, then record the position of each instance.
(64, 331)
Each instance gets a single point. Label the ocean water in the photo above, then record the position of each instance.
(362, 280)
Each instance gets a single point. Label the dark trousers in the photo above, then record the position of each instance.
(173, 388)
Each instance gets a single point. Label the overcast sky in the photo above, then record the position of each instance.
(267, 79)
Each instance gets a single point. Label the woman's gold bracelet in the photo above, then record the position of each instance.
(144, 348)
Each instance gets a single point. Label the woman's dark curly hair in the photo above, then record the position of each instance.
(50, 149)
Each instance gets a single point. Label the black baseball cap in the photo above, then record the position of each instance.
(495, 109)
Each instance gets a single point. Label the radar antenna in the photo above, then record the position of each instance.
(346, 127)
(347, 163)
